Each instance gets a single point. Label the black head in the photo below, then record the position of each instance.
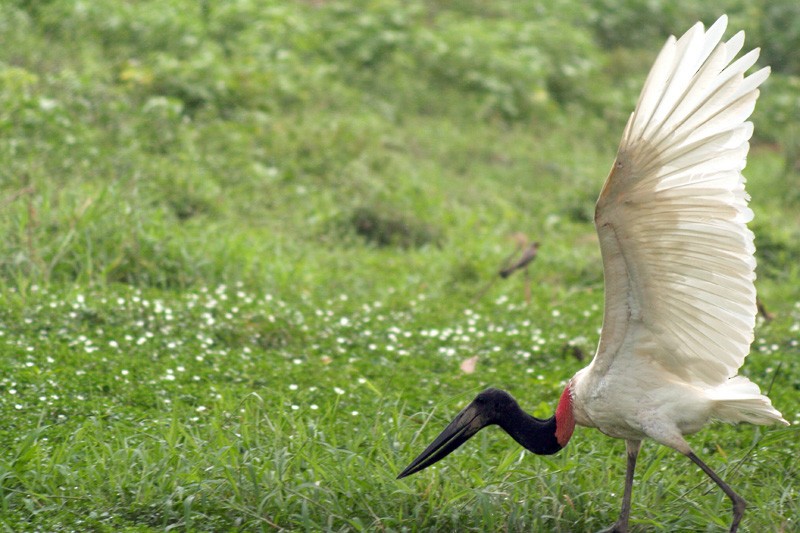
(494, 405)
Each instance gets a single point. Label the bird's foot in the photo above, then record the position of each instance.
(616, 527)
(739, 505)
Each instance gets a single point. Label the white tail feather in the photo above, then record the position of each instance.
(740, 400)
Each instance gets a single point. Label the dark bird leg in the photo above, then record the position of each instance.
(621, 525)
(738, 502)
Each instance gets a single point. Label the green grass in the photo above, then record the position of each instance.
(247, 246)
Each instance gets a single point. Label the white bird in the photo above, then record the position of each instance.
(680, 303)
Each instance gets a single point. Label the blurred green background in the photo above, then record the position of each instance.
(173, 143)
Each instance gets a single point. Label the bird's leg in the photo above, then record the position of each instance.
(738, 502)
(632, 447)
(621, 525)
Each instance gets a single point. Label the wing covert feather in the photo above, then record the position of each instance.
(671, 217)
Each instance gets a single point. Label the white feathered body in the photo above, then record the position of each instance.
(680, 300)
(640, 400)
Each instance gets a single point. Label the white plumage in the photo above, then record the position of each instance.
(678, 257)
(680, 302)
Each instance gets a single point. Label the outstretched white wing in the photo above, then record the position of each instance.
(677, 254)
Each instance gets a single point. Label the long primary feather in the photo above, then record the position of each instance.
(678, 256)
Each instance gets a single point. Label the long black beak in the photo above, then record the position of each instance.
(468, 422)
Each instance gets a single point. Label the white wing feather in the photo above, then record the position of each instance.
(677, 254)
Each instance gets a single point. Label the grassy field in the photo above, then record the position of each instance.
(248, 245)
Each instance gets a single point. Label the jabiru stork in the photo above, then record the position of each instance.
(678, 264)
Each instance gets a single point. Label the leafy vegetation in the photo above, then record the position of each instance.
(248, 244)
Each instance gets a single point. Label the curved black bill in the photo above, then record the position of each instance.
(465, 425)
